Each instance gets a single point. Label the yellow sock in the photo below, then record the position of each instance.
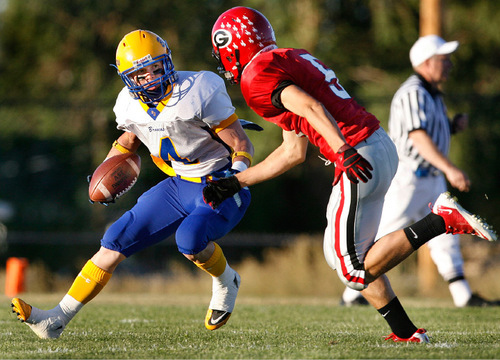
(89, 282)
(216, 265)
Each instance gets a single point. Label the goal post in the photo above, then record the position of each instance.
(430, 22)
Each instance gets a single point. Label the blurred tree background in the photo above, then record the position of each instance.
(58, 89)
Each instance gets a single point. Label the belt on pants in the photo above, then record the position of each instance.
(199, 180)
(221, 173)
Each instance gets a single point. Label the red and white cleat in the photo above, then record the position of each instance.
(460, 221)
(419, 336)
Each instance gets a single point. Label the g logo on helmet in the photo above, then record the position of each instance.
(222, 38)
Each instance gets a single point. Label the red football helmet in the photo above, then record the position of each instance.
(237, 36)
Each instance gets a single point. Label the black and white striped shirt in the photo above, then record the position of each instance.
(416, 105)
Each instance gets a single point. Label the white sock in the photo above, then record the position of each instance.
(226, 276)
(350, 295)
(69, 307)
(460, 292)
(65, 310)
(224, 291)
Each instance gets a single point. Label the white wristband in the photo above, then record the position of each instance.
(239, 165)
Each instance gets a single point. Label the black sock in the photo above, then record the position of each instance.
(425, 229)
(397, 319)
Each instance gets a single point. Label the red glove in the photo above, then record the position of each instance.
(354, 165)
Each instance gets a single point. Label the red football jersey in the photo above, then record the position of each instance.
(269, 69)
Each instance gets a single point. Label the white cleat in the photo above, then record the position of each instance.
(223, 300)
(46, 324)
(460, 221)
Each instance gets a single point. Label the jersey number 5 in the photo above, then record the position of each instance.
(330, 76)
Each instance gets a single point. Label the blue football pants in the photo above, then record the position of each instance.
(175, 206)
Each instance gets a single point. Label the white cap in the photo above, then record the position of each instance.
(428, 46)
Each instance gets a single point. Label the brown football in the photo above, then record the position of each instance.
(114, 177)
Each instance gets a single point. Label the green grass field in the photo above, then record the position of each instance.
(170, 326)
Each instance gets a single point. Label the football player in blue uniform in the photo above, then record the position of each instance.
(188, 123)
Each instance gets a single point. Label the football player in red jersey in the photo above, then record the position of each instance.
(296, 91)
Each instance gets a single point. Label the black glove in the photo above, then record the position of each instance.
(354, 165)
(217, 191)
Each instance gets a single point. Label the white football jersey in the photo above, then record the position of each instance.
(180, 128)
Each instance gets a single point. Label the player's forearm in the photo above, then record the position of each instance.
(243, 151)
(324, 123)
(238, 140)
(301, 103)
(268, 169)
(289, 154)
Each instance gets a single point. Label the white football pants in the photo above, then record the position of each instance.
(354, 211)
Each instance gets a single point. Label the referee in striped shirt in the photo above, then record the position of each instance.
(420, 128)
